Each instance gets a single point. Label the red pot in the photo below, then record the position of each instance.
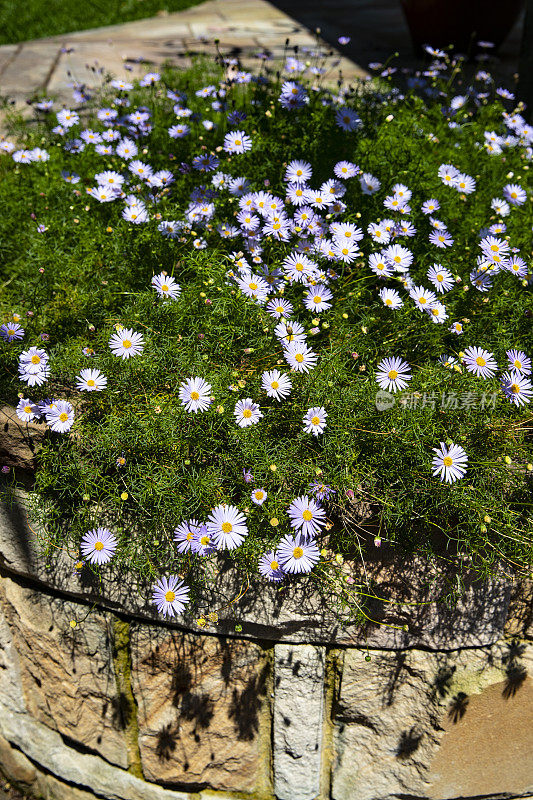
(460, 23)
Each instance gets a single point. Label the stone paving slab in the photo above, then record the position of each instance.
(243, 27)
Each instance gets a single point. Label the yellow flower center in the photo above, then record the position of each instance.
(345, 251)
(393, 374)
(435, 312)
(190, 536)
(480, 361)
(164, 288)
(299, 267)
(515, 388)
(170, 596)
(440, 278)
(307, 515)
(447, 461)
(90, 382)
(204, 541)
(388, 301)
(514, 195)
(195, 396)
(126, 343)
(274, 565)
(422, 300)
(35, 360)
(275, 385)
(259, 495)
(299, 358)
(517, 363)
(317, 299)
(63, 416)
(315, 421)
(227, 527)
(297, 552)
(98, 545)
(253, 286)
(247, 413)
(27, 409)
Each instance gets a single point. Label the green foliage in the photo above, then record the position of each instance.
(96, 274)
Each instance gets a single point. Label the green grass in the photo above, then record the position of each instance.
(97, 270)
(36, 19)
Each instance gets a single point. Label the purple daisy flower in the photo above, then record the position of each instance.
(170, 595)
(98, 546)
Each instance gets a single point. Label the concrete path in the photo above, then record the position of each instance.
(376, 27)
(244, 27)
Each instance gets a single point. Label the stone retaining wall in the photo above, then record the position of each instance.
(127, 710)
(125, 706)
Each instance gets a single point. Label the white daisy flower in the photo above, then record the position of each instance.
(259, 496)
(185, 534)
(288, 332)
(27, 410)
(441, 278)
(170, 595)
(315, 420)
(449, 463)
(518, 361)
(480, 362)
(456, 327)
(91, 380)
(227, 527)
(247, 412)
(125, 343)
(317, 298)
(166, 286)
(279, 307)
(391, 298)
(276, 384)
(194, 394)
(306, 515)
(517, 388)
(423, 297)
(61, 417)
(296, 554)
(393, 374)
(437, 312)
(300, 357)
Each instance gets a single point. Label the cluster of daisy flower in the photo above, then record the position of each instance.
(288, 249)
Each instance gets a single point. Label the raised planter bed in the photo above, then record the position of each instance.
(296, 705)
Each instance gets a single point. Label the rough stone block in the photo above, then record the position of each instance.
(298, 715)
(19, 441)
(67, 676)
(202, 708)
(434, 725)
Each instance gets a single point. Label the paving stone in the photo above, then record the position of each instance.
(297, 724)
(203, 708)
(29, 71)
(7, 53)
